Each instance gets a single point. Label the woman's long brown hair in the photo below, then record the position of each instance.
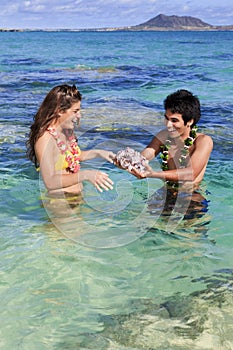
(58, 100)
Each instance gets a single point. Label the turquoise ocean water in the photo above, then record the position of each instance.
(108, 274)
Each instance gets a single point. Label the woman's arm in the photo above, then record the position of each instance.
(97, 153)
(45, 152)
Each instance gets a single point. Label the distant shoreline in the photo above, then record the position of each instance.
(125, 29)
(160, 23)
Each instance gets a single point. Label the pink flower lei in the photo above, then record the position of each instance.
(72, 153)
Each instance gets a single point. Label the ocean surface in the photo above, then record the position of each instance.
(110, 274)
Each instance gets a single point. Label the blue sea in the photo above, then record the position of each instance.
(107, 273)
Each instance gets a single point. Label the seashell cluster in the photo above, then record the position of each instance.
(129, 159)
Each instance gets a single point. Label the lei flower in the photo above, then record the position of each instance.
(184, 153)
(72, 153)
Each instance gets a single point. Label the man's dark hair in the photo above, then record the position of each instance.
(184, 103)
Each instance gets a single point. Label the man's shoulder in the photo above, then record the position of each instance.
(203, 139)
(162, 135)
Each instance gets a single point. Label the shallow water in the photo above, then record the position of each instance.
(107, 274)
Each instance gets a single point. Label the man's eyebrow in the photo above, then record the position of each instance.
(174, 118)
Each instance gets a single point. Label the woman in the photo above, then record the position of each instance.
(52, 145)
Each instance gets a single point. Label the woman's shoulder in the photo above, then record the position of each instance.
(44, 141)
(45, 137)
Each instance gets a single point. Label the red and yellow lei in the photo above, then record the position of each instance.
(71, 152)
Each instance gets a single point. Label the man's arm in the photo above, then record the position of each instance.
(154, 147)
(196, 166)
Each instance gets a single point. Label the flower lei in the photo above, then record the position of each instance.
(184, 152)
(72, 153)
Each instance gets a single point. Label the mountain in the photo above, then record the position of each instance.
(171, 23)
(158, 23)
(175, 22)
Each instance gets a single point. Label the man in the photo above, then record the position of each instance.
(184, 152)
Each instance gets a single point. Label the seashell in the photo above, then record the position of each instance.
(130, 159)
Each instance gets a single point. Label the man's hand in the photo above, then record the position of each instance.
(141, 174)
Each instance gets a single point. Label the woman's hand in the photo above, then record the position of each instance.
(100, 180)
(108, 155)
(97, 153)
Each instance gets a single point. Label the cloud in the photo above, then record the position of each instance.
(107, 13)
(8, 9)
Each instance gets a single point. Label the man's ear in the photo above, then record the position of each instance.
(190, 122)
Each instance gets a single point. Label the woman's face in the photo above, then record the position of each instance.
(70, 117)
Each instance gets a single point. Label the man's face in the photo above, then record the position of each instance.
(175, 125)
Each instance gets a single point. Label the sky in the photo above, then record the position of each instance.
(82, 14)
